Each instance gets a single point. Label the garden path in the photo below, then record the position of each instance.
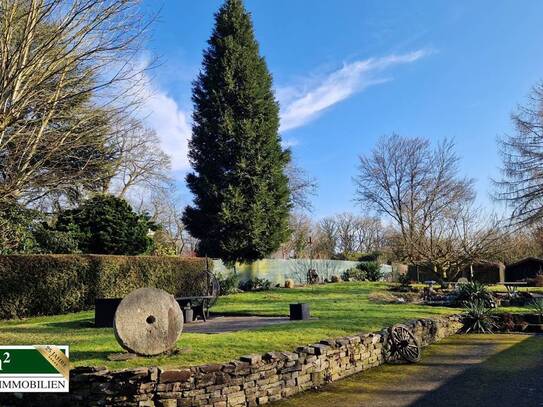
(220, 324)
(464, 370)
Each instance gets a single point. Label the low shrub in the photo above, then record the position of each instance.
(478, 317)
(373, 256)
(353, 274)
(229, 283)
(56, 284)
(372, 270)
(256, 284)
(537, 307)
(472, 292)
(405, 281)
(335, 279)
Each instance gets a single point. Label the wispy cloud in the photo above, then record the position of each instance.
(302, 105)
(171, 123)
(288, 143)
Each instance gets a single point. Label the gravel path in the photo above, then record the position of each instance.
(464, 370)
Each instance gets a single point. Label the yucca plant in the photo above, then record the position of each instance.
(478, 317)
(537, 307)
(472, 292)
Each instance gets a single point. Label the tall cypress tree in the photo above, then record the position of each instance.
(241, 195)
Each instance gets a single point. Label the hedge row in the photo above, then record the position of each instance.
(55, 284)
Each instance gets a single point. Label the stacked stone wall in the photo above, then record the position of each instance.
(252, 380)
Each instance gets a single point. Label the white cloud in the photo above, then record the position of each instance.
(171, 123)
(300, 106)
(154, 107)
(289, 143)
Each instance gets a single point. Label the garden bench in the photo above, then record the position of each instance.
(200, 304)
(204, 283)
(105, 308)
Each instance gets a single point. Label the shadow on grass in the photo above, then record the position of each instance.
(90, 355)
(76, 324)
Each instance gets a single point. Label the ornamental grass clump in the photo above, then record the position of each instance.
(472, 292)
(537, 307)
(478, 318)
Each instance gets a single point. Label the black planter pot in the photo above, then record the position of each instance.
(104, 311)
(299, 312)
(105, 308)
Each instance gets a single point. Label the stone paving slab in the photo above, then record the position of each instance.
(221, 324)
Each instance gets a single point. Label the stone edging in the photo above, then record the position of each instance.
(250, 381)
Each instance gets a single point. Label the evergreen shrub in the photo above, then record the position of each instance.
(33, 285)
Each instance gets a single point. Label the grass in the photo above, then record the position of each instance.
(341, 309)
(494, 288)
(501, 288)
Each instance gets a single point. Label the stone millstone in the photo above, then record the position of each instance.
(148, 322)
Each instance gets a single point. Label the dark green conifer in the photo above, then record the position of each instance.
(241, 195)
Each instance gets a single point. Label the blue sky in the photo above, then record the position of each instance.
(348, 71)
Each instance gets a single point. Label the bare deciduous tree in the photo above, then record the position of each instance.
(418, 187)
(370, 234)
(358, 234)
(522, 154)
(141, 162)
(165, 209)
(298, 245)
(302, 187)
(347, 234)
(64, 68)
(325, 240)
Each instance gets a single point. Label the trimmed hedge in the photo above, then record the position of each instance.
(33, 285)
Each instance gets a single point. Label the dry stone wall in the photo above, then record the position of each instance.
(250, 381)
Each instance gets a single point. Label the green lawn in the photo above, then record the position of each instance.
(501, 288)
(341, 309)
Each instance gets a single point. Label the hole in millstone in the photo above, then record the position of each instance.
(151, 319)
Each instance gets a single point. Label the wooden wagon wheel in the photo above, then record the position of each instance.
(214, 288)
(207, 284)
(405, 344)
